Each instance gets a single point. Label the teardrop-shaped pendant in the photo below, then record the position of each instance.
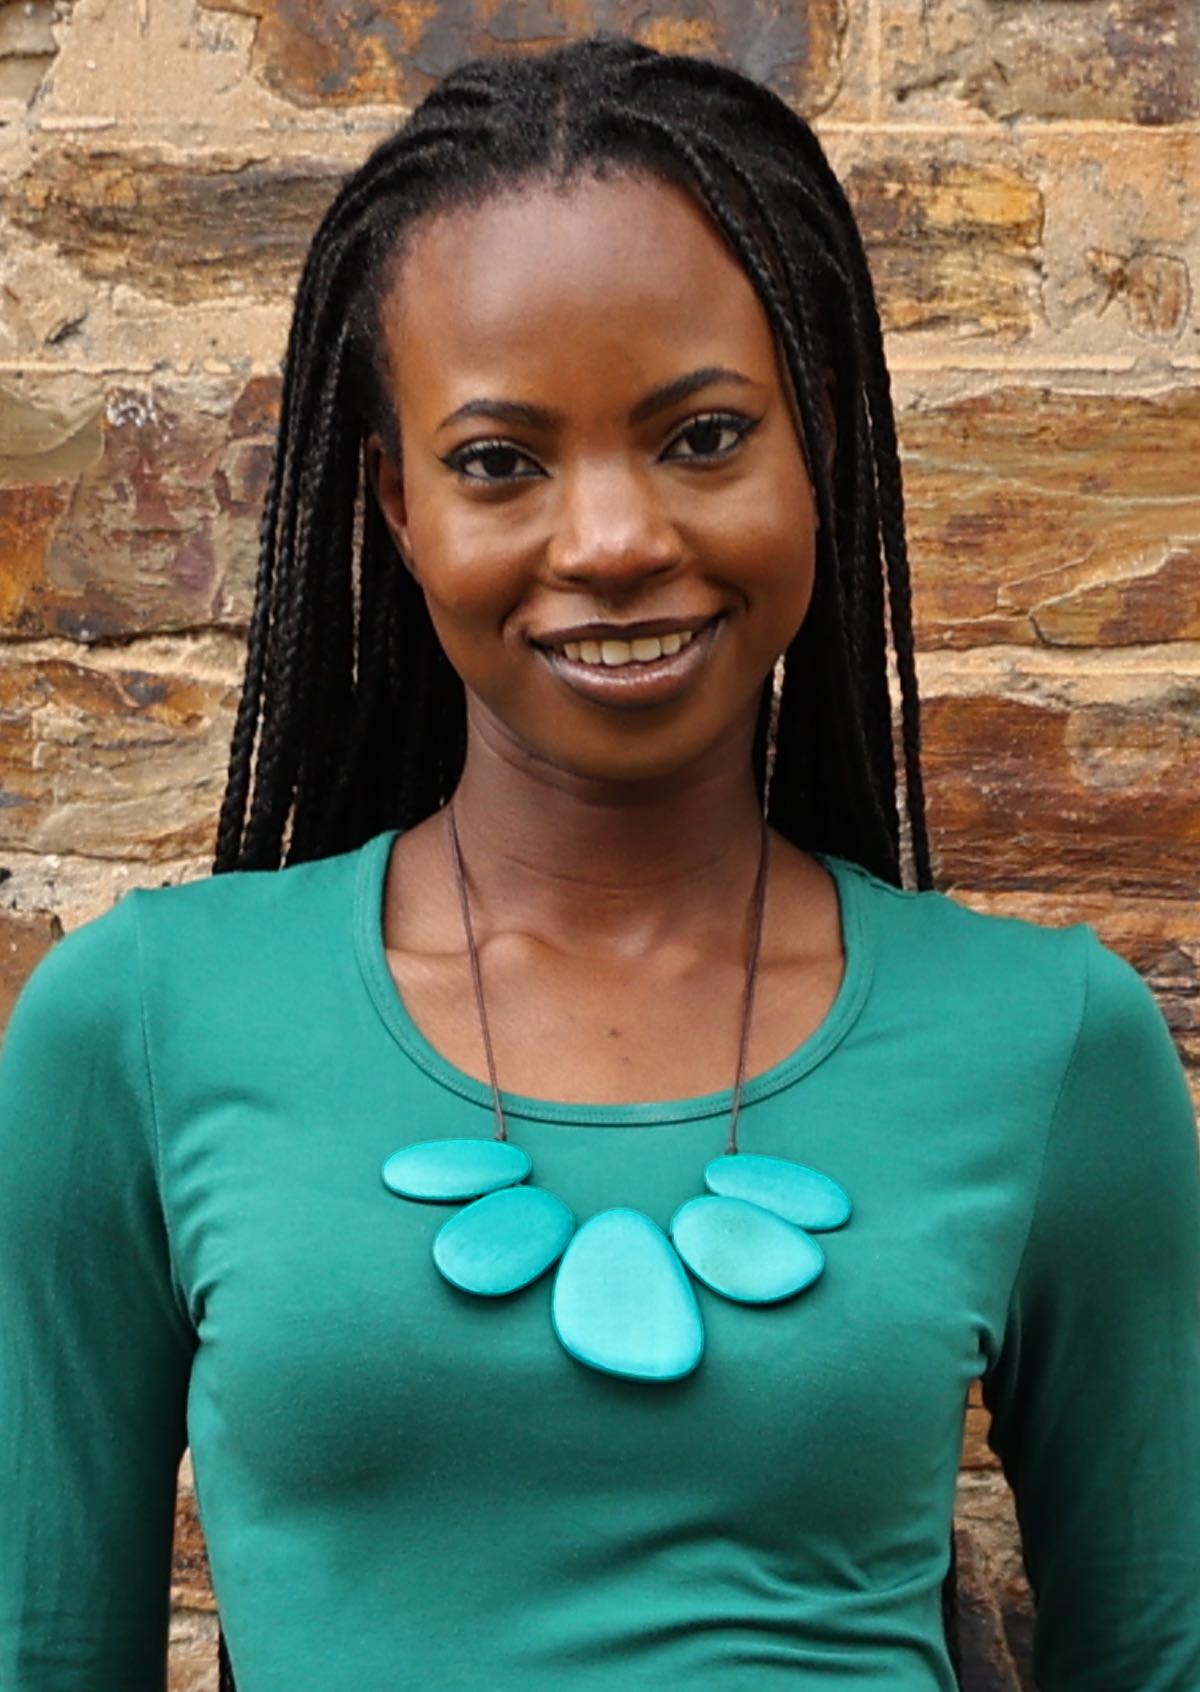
(800, 1195)
(622, 1301)
(503, 1241)
(448, 1171)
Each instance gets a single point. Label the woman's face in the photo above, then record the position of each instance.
(602, 493)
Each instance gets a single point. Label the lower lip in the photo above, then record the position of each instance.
(633, 685)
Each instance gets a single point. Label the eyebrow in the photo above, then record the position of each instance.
(658, 399)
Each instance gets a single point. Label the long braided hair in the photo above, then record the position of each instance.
(351, 719)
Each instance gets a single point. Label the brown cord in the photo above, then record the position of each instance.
(758, 907)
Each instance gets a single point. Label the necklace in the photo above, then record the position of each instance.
(623, 1301)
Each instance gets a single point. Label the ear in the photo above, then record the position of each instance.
(385, 476)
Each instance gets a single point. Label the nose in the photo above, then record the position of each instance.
(612, 531)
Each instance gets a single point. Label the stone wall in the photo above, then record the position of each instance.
(1025, 176)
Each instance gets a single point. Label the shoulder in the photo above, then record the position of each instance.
(197, 934)
(248, 924)
(941, 947)
(1004, 984)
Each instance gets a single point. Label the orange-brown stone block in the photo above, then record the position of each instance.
(951, 243)
(24, 942)
(1135, 61)
(191, 1582)
(315, 54)
(1038, 793)
(153, 528)
(1056, 519)
(977, 1453)
(111, 760)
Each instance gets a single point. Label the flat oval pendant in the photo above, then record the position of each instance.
(448, 1171)
(502, 1242)
(623, 1303)
(802, 1196)
(744, 1252)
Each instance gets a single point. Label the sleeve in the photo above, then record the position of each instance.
(1095, 1395)
(95, 1346)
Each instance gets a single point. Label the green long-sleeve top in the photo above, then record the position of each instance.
(403, 1486)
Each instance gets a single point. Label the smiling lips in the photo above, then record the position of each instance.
(615, 654)
(643, 669)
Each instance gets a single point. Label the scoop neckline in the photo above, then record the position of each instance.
(370, 884)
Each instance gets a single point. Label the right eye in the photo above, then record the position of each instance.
(492, 461)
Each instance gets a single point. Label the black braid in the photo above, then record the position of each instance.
(351, 719)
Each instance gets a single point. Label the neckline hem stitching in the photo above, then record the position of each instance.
(370, 881)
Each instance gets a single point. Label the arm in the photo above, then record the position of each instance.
(95, 1347)
(1096, 1393)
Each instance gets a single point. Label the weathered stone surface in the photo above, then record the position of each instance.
(987, 1662)
(1056, 519)
(115, 754)
(317, 54)
(1134, 61)
(183, 228)
(191, 1581)
(986, 1522)
(1122, 235)
(27, 47)
(76, 888)
(1156, 289)
(951, 243)
(139, 516)
(192, 1655)
(1044, 775)
(977, 1454)
(45, 302)
(24, 942)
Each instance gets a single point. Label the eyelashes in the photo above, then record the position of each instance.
(712, 436)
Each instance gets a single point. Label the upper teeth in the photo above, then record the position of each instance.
(613, 653)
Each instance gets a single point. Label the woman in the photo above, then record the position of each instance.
(382, 1180)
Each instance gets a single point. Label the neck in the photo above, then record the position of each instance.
(556, 854)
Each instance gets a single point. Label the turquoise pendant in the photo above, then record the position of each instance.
(743, 1252)
(623, 1303)
(448, 1171)
(801, 1196)
(502, 1242)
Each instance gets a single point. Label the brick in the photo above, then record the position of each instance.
(104, 755)
(393, 53)
(1131, 61)
(145, 519)
(179, 229)
(952, 243)
(1042, 778)
(1054, 519)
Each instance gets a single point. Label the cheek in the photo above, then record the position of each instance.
(464, 562)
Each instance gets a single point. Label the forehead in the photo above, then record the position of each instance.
(600, 280)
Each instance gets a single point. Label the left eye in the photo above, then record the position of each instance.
(715, 435)
(492, 461)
